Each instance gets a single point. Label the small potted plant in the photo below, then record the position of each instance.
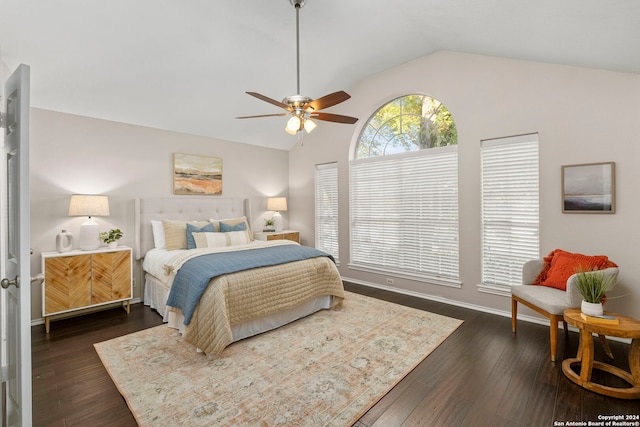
(111, 237)
(269, 224)
(593, 286)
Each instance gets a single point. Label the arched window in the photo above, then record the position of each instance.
(408, 123)
(404, 192)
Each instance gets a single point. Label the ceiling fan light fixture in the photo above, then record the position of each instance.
(293, 125)
(289, 131)
(309, 125)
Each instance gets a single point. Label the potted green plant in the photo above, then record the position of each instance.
(269, 224)
(593, 286)
(111, 237)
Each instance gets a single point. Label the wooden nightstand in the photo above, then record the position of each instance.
(278, 235)
(81, 279)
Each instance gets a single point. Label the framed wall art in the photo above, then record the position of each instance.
(197, 174)
(589, 188)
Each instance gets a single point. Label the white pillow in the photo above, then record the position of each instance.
(216, 240)
(158, 234)
(237, 237)
(209, 240)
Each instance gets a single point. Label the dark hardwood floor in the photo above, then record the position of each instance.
(482, 375)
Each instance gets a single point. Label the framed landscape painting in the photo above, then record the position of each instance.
(589, 188)
(197, 174)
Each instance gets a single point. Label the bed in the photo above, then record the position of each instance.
(279, 282)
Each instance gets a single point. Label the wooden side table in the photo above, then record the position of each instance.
(278, 235)
(627, 328)
(81, 279)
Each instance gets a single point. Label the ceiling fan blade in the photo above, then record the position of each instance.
(263, 115)
(270, 101)
(328, 117)
(327, 101)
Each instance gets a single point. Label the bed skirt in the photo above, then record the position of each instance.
(156, 293)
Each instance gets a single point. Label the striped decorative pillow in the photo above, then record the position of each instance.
(216, 240)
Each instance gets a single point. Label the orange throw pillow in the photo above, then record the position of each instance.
(564, 264)
(545, 269)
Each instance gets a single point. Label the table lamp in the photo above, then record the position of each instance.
(277, 204)
(89, 205)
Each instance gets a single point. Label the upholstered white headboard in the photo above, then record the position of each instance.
(182, 208)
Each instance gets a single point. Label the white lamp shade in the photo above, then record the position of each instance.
(309, 125)
(293, 125)
(88, 205)
(277, 204)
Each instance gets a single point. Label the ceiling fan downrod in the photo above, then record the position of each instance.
(297, 4)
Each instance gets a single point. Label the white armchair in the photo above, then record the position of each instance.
(550, 302)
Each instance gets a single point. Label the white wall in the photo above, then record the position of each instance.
(74, 154)
(581, 115)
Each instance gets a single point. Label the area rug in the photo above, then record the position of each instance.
(326, 369)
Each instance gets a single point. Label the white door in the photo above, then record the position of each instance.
(15, 316)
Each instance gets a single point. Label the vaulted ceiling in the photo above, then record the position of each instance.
(184, 65)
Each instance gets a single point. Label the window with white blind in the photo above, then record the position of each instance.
(404, 214)
(326, 197)
(404, 192)
(510, 209)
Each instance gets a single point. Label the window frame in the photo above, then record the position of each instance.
(327, 215)
(509, 236)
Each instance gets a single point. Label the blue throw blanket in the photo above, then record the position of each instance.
(193, 277)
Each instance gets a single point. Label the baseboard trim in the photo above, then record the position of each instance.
(475, 307)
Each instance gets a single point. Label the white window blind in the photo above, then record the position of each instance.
(404, 214)
(510, 208)
(326, 188)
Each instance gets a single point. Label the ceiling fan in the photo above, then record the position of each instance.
(302, 108)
